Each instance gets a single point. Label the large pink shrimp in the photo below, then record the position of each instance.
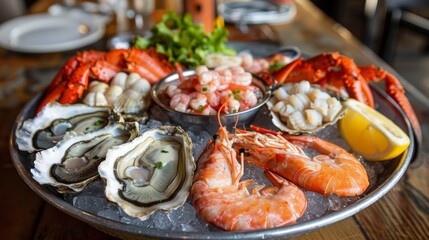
(334, 171)
(222, 200)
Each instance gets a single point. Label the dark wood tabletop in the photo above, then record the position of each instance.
(403, 213)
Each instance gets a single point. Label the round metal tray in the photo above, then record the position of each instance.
(393, 171)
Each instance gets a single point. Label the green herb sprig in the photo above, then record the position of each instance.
(184, 41)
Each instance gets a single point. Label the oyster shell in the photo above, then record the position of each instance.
(55, 121)
(152, 172)
(73, 162)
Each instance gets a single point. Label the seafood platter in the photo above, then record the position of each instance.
(143, 144)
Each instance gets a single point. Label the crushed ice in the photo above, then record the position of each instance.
(185, 218)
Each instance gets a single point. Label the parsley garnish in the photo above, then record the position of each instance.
(276, 66)
(98, 123)
(184, 41)
(159, 165)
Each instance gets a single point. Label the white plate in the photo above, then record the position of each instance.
(256, 12)
(42, 33)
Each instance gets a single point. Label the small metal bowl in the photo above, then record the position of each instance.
(209, 122)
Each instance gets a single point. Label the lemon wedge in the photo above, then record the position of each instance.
(370, 133)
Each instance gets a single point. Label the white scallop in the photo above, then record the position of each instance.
(112, 94)
(95, 99)
(98, 87)
(131, 79)
(281, 94)
(141, 86)
(129, 101)
(120, 80)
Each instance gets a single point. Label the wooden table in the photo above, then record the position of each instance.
(403, 213)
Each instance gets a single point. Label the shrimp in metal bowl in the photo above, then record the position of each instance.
(222, 200)
(334, 171)
(208, 89)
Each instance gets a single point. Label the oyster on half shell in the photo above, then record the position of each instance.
(56, 120)
(73, 162)
(152, 172)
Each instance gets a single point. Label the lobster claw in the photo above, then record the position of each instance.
(395, 90)
(52, 95)
(268, 78)
(358, 88)
(283, 73)
(72, 80)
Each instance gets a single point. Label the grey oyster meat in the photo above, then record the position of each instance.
(152, 172)
(72, 163)
(55, 121)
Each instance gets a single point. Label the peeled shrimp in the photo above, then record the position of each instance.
(210, 81)
(222, 200)
(248, 100)
(225, 78)
(199, 104)
(180, 102)
(242, 78)
(213, 99)
(172, 90)
(214, 87)
(334, 171)
(257, 65)
(198, 101)
(232, 106)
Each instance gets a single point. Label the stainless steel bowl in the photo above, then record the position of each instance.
(209, 122)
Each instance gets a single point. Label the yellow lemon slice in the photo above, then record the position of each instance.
(370, 133)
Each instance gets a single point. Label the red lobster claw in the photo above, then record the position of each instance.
(396, 91)
(284, 73)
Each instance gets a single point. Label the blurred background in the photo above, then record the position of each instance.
(396, 30)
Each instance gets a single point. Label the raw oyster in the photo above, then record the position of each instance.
(55, 120)
(73, 162)
(152, 172)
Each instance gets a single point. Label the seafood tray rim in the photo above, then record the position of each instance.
(22, 164)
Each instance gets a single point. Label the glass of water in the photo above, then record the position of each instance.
(133, 15)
